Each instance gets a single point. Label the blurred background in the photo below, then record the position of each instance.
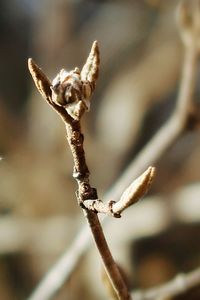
(141, 61)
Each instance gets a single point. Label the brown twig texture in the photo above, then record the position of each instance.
(69, 94)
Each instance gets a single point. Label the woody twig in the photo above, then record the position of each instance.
(69, 95)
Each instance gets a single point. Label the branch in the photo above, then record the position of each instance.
(130, 196)
(179, 285)
(69, 95)
(154, 150)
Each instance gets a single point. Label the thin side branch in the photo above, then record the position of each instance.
(130, 196)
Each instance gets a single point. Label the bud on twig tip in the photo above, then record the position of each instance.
(135, 191)
(41, 81)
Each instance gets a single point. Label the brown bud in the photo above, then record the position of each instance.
(42, 83)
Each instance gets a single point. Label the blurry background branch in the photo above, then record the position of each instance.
(181, 284)
(20, 234)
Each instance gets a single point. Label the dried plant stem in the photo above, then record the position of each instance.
(68, 95)
(85, 191)
(111, 267)
(179, 285)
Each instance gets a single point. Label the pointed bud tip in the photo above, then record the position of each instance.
(30, 61)
(31, 65)
(151, 170)
(95, 46)
(150, 173)
(95, 43)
